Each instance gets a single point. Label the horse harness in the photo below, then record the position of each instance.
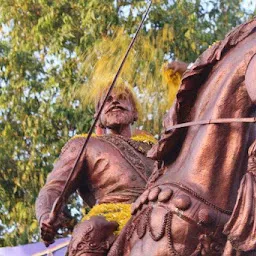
(211, 121)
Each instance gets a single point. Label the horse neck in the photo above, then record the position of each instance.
(212, 159)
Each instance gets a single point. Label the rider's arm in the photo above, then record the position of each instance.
(57, 178)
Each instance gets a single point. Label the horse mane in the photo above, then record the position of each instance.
(192, 81)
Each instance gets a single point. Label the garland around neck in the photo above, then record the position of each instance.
(146, 138)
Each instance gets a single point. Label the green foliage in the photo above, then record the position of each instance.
(51, 51)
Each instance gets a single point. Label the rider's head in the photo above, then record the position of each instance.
(121, 107)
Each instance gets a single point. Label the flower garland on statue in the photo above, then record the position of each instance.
(172, 80)
(146, 138)
(119, 212)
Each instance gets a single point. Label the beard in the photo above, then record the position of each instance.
(114, 119)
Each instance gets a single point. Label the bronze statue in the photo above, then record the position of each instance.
(113, 169)
(201, 198)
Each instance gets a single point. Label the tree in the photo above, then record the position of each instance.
(52, 53)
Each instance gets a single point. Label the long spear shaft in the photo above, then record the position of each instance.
(59, 202)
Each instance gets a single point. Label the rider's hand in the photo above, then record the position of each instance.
(48, 230)
(177, 66)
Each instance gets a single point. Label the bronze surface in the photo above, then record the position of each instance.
(112, 169)
(212, 177)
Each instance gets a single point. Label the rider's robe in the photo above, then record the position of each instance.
(112, 169)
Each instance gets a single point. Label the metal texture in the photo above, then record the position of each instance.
(211, 210)
(113, 169)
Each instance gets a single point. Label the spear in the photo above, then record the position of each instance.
(59, 202)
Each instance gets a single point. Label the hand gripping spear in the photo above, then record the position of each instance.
(59, 202)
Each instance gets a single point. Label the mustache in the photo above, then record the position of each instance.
(116, 106)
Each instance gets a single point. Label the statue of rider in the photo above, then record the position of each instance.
(113, 169)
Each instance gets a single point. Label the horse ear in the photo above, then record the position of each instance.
(250, 79)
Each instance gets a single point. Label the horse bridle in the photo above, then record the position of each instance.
(212, 121)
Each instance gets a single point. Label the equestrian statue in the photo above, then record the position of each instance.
(201, 197)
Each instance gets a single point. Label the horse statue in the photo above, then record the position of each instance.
(201, 198)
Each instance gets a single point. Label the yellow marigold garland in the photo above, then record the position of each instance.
(140, 137)
(144, 138)
(82, 135)
(172, 78)
(173, 81)
(118, 212)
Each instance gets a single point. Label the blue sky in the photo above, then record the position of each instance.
(251, 4)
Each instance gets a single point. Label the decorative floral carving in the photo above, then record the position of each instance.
(93, 236)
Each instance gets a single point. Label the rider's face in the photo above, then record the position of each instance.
(118, 110)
